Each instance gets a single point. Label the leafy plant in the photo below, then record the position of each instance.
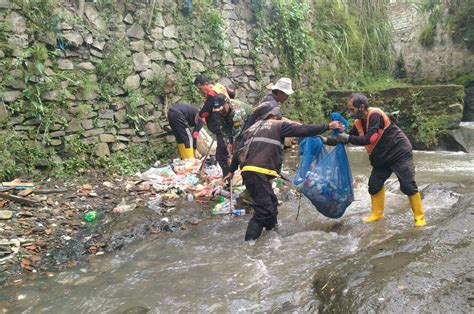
(134, 158)
(40, 13)
(115, 66)
(135, 114)
(19, 156)
(400, 71)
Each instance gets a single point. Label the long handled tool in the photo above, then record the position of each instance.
(206, 156)
(231, 206)
(299, 206)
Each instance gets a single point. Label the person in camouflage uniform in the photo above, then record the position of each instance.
(233, 115)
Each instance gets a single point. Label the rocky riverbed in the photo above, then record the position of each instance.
(45, 231)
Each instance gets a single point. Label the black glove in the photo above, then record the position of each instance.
(342, 138)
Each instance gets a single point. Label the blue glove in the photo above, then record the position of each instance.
(342, 138)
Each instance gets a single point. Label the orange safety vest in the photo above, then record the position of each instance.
(360, 129)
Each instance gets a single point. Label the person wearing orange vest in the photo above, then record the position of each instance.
(389, 151)
(210, 91)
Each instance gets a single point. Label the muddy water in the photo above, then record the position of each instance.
(313, 264)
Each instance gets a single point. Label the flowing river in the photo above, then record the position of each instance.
(313, 264)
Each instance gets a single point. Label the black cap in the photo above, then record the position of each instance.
(265, 109)
(219, 100)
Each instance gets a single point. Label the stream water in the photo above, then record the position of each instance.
(312, 264)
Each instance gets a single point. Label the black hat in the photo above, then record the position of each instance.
(219, 100)
(265, 109)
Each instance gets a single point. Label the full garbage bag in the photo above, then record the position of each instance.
(328, 185)
(311, 150)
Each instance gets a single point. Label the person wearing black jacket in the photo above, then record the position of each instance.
(212, 93)
(280, 92)
(183, 117)
(389, 151)
(264, 160)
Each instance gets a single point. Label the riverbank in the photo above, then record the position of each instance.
(47, 231)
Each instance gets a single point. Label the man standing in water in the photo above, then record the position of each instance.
(389, 151)
(263, 159)
(210, 91)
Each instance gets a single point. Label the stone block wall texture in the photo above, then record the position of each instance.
(160, 42)
(444, 61)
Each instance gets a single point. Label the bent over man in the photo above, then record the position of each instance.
(264, 159)
(181, 118)
(389, 151)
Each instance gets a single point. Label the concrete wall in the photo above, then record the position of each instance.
(444, 61)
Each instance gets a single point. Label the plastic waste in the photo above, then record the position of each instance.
(239, 212)
(123, 207)
(220, 198)
(222, 208)
(329, 184)
(190, 197)
(154, 204)
(90, 216)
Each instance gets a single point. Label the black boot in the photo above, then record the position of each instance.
(254, 230)
(271, 223)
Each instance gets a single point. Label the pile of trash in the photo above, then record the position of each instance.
(190, 180)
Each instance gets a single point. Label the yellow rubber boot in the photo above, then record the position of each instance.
(417, 208)
(185, 153)
(378, 203)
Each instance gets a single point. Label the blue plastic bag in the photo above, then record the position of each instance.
(311, 151)
(328, 185)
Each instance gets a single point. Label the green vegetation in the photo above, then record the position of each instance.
(19, 156)
(459, 23)
(134, 158)
(426, 127)
(428, 33)
(328, 43)
(40, 14)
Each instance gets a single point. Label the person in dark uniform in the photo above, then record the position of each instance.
(389, 151)
(210, 90)
(280, 92)
(183, 117)
(233, 114)
(264, 160)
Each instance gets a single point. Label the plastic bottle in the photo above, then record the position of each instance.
(220, 198)
(90, 216)
(239, 212)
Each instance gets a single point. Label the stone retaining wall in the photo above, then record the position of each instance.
(161, 44)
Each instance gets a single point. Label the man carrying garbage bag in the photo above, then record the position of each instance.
(259, 154)
(389, 151)
(181, 118)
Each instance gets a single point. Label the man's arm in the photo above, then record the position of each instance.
(371, 136)
(196, 129)
(291, 129)
(206, 110)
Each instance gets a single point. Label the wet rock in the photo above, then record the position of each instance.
(6, 214)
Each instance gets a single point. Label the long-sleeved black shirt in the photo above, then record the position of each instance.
(266, 149)
(392, 146)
